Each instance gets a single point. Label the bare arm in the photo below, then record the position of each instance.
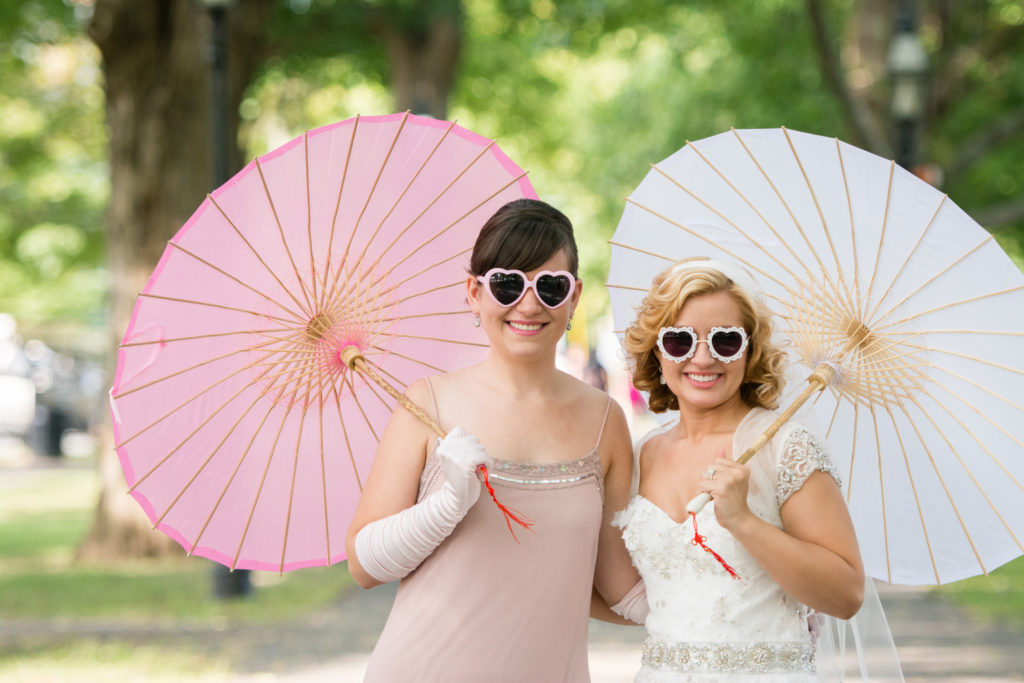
(614, 574)
(394, 478)
(815, 559)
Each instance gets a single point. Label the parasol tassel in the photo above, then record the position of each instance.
(701, 542)
(510, 514)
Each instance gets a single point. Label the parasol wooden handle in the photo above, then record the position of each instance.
(822, 376)
(351, 356)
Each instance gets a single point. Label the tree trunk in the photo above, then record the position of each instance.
(424, 55)
(157, 86)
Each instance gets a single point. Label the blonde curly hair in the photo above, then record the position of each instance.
(672, 288)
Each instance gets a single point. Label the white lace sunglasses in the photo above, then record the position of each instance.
(724, 343)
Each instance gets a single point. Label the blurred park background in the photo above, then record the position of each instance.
(118, 116)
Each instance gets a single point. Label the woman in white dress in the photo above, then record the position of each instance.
(701, 344)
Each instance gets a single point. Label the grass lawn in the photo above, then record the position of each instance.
(43, 515)
(999, 596)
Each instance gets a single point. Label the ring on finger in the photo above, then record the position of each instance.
(710, 473)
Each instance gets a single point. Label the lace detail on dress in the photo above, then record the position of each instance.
(802, 454)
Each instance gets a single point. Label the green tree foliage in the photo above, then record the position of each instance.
(53, 177)
(585, 94)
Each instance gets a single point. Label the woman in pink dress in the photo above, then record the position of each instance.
(476, 603)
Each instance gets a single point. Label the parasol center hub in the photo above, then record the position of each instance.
(859, 335)
(318, 326)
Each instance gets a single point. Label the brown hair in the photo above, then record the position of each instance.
(671, 289)
(522, 235)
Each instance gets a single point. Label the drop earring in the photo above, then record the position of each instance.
(476, 320)
(569, 326)
(661, 378)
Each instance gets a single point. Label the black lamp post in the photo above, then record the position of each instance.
(908, 67)
(226, 583)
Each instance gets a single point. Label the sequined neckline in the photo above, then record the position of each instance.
(575, 466)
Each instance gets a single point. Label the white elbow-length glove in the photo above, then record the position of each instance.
(633, 605)
(390, 548)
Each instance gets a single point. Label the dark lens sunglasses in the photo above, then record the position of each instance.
(680, 343)
(507, 287)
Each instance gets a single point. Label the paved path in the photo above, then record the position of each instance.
(937, 642)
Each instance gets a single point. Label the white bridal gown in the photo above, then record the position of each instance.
(704, 625)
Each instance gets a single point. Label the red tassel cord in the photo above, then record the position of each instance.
(701, 541)
(510, 514)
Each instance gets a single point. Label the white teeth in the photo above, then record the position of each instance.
(526, 327)
(703, 378)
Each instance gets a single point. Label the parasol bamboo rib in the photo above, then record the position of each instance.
(200, 259)
(716, 211)
(259, 489)
(952, 304)
(842, 285)
(913, 489)
(440, 339)
(248, 349)
(309, 215)
(450, 226)
(213, 305)
(853, 451)
(811, 275)
(256, 253)
(291, 486)
(284, 241)
(1002, 398)
(970, 405)
(395, 382)
(440, 194)
(991, 455)
(337, 206)
(409, 358)
(196, 337)
(373, 187)
(976, 359)
(881, 496)
(942, 481)
(734, 256)
(323, 479)
(817, 381)
(348, 444)
(746, 201)
(917, 245)
(885, 225)
(432, 265)
(394, 205)
(927, 282)
(202, 467)
(359, 404)
(180, 444)
(182, 405)
(231, 479)
(858, 305)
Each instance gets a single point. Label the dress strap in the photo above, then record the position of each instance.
(433, 401)
(607, 409)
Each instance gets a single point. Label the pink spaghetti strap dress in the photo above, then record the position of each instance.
(483, 607)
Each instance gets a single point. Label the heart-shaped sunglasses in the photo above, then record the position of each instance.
(507, 287)
(680, 343)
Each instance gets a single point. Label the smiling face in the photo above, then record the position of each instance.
(703, 382)
(528, 326)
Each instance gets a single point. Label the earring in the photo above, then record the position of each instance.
(569, 326)
(476, 320)
(661, 378)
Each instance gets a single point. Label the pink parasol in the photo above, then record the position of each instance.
(242, 428)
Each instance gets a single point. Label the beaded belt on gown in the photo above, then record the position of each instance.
(755, 657)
